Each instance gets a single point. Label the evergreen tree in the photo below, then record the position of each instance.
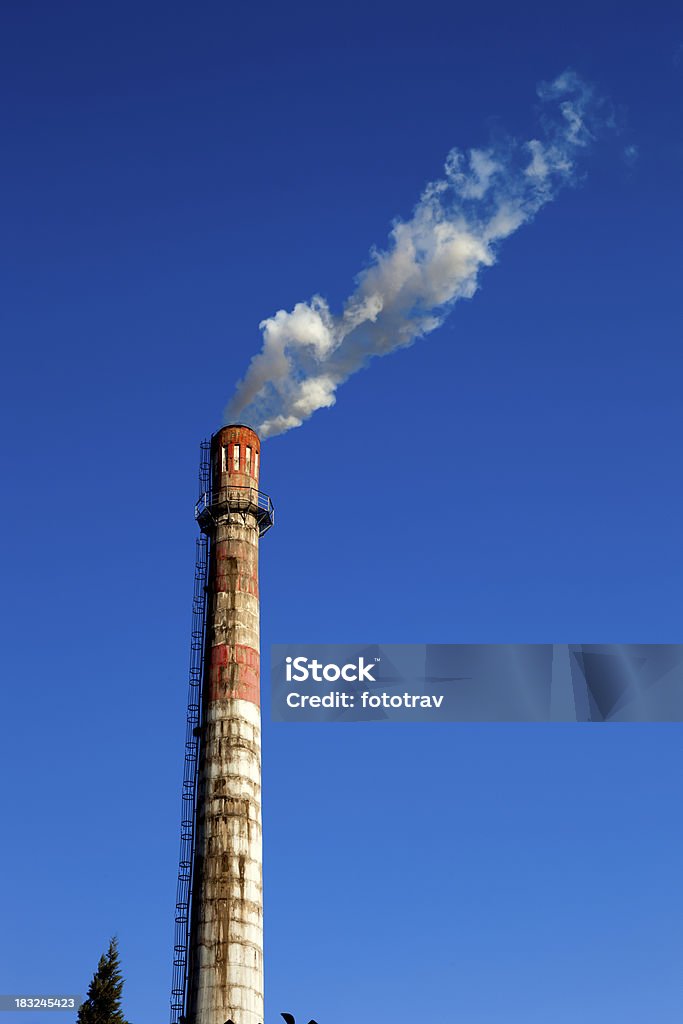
(103, 1005)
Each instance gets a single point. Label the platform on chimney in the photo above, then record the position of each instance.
(229, 501)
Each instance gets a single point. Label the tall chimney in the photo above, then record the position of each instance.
(225, 961)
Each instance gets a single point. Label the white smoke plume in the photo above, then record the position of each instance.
(431, 261)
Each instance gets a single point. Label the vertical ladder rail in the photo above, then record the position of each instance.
(191, 762)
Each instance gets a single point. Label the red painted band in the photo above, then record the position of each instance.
(242, 584)
(234, 672)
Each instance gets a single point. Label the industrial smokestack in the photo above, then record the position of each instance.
(224, 976)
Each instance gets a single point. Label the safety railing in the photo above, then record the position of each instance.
(235, 499)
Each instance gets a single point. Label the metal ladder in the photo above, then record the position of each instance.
(191, 766)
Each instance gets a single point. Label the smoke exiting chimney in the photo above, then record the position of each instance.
(433, 259)
(224, 966)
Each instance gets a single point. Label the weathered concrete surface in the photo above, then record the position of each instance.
(226, 942)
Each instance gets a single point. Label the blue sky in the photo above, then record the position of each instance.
(171, 177)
